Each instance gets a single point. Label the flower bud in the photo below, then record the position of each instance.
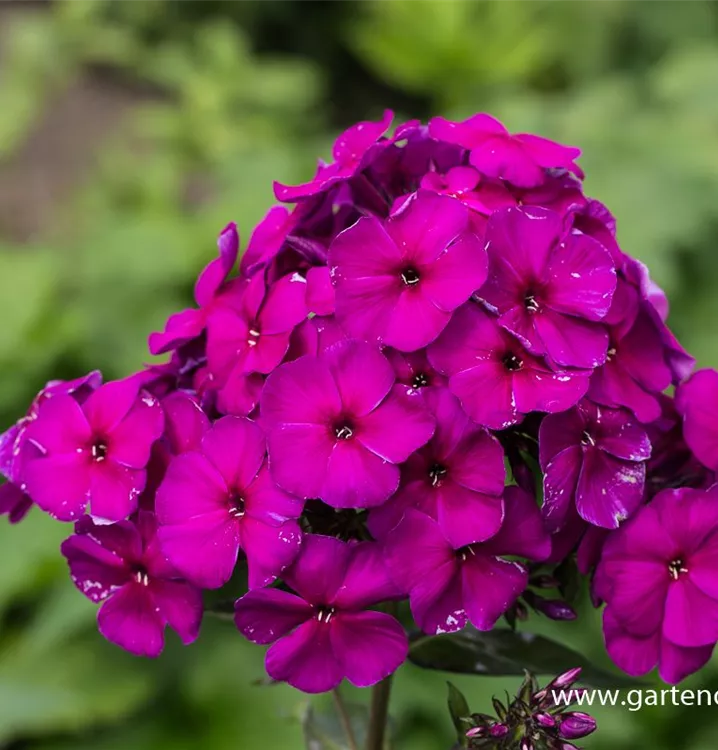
(576, 725)
(499, 730)
(567, 678)
(545, 720)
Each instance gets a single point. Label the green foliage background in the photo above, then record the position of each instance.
(229, 96)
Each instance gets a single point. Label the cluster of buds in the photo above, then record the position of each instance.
(536, 719)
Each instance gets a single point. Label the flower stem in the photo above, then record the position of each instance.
(378, 714)
(345, 719)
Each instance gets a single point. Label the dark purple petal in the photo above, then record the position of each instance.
(369, 645)
(320, 569)
(264, 615)
(490, 586)
(180, 605)
(305, 659)
(130, 620)
(269, 549)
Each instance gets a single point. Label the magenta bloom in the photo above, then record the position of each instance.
(414, 370)
(549, 288)
(496, 380)
(266, 240)
(322, 634)
(249, 335)
(353, 150)
(697, 401)
(450, 585)
(457, 478)
(398, 281)
(93, 453)
(188, 324)
(342, 410)
(221, 499)
(596, 458)
(121, 566)
(520, 159)
(659, 578)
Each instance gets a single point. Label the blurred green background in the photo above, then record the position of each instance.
(131, 132)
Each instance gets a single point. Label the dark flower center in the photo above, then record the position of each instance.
(410, 276)
(420, 380)
(99, 450)
(236, 506)
(253, 335)
(436, 473)
(324, 614)
(139, 573)
(586, 438)
(530, 302)
(610, 354)
(676, 568)
(512, 362)
(465, 552)
(344, 431)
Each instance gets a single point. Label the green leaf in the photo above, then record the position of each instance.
(459, 710)
(323, 730)
(504, 652)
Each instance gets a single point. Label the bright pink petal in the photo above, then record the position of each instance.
(507, 159)
(466, 516)
(478, 463)
(691, 617)
(305, 659)
(110, 404)
(236, 448)
(61, 426)
(356, 477)
(486, 394)
(192, 487)
(319, 571)
(130, 620)
(204, 549)
(364, 306)
(540, 390)
(289, 447)
(300, 392)
(365, 250)
(398, 427)
(179, 329)
(266, 502)
(582, 278)
(367, 580)
(131, 441)
(362, 374)
(572, 342)
(415, 321)
(676, 663)
(185, 422)
(635, 655)
(320, 292)
(426, 226)
(285, 305)
(60, 484)
(265, 615)
(369, 645)
(457, 273)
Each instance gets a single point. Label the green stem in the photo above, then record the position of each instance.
(345, 719)
(378, 714)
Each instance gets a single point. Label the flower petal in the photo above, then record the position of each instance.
(369, 645)
(180, 605)
(129, 619)
(490, 586)
(264, 615)
(305, 659)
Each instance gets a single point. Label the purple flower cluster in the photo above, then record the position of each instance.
(435, 378)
